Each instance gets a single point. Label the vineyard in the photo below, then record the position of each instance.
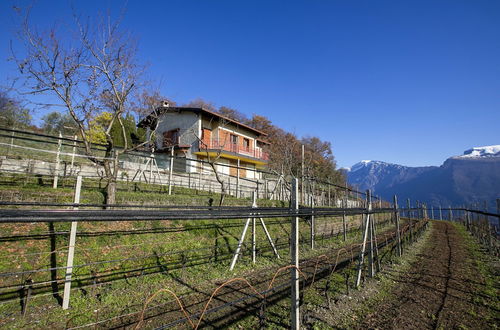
(193, 267)
(279, 254)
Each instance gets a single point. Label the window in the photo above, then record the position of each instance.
(171, 138)
(234, 139)
(234, 143)
(246, 144)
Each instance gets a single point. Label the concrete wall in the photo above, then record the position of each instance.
(267, 188)
(187, 123)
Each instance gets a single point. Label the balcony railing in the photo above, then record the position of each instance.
(236, 148)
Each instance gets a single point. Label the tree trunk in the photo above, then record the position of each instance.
(221, 182)
(111, 172)
(111, 192)
(222, 194)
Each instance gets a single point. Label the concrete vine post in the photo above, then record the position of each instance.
(238, 180)
(73, 155)
(56, 170)
(171, 169)
(313, 225)
(371, 259)
(344, 224)
(365, 238)
(294, 252)
(71, 248)
(254, 205)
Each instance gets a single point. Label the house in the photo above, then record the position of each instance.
(198, 134)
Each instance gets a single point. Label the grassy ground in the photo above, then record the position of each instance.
(19, 188)
(445, 282)
(346, 309)
(179, 255)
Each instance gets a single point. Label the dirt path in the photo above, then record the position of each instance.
(441, 290)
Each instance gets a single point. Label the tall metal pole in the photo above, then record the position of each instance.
(71, 248)
(302, 179)
(294, 252)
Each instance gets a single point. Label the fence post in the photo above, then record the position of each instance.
(498, 210)
(254, 204)
(199, 176)
(73, 155)
(294, 252)
(371, 269)
(450, 214)
(238, 181)
(71, 248)
(344, 224)
(410, 218)
(365, 237)
(56, 170)
(171, 169)
(398, 232)
(266, 191)
(440, 213)
(11, 141)
(467, 219)
(432, 212)
(302, 178)
(313, 228)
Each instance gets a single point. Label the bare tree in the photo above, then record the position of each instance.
(201, 103)
(213, 159)
(92, 70)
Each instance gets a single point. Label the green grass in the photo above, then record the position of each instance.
(128, 294)
(485, 265)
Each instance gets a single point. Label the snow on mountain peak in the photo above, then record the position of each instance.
(486, 151)
(365, 163)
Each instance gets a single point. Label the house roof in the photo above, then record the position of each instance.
(150, 120)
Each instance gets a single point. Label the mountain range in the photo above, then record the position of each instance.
(468, 179)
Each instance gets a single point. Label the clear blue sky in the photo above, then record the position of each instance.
(410, 82)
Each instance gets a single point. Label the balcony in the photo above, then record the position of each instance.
(215, 144)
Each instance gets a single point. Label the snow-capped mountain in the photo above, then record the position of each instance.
(487, 151)
(469, 178)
